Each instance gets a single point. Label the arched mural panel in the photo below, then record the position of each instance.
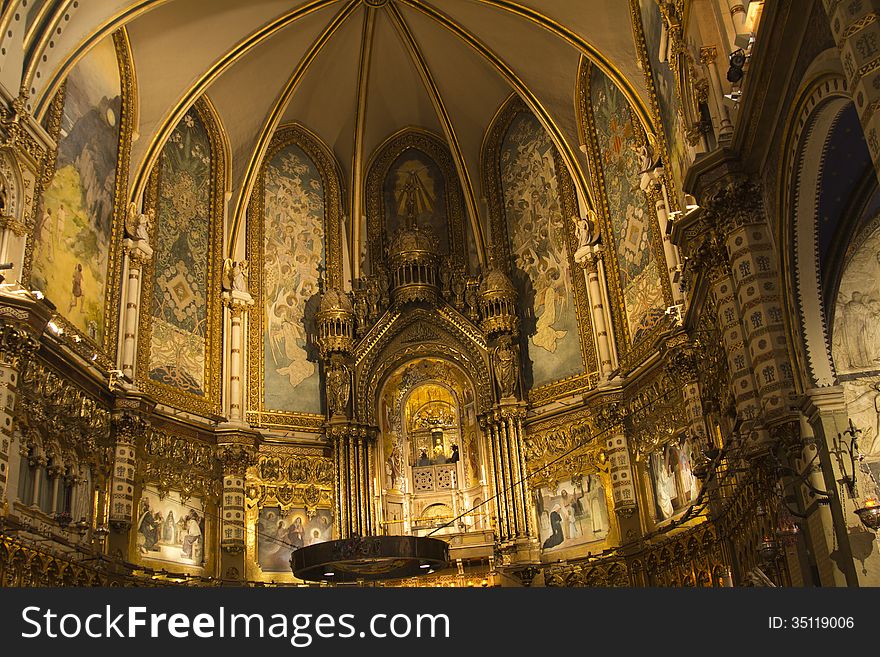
(294, 233)
(74, 255)
(180, 340)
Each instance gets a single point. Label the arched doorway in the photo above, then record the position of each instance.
(432, 474)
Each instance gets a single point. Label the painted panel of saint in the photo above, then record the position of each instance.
(73, 230)
(576, 512)
(675, 486)
(169, 529)
(281, 531)
(293, 243)
(540, 267)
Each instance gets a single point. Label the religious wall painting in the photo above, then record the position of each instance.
(855, 341)
(281, 531)
(621, 142)
(170, 529)
(181, 259)
(536, 229)
(293, 257)
(673, 483)
(573, 513)
(74, 227)
(415, 187)
(668, 102)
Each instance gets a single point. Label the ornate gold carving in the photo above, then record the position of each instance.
(173, 462)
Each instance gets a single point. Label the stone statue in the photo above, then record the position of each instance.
(137, 224)
(586, 229)
(4, 198)
(649, 153)
(338, 387)
(235, 275)
(506, 368)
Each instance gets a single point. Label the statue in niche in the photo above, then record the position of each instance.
(649, 153)
(586, 229)
(137, 224)
(338, 387)
(506, 369)
(4, 197)
(235, 275)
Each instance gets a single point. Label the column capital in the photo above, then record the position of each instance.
(138, 250)
(237, 301)
(822, 401)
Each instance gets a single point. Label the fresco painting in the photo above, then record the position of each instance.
(540, 265)
(293, 247)
(73, 231)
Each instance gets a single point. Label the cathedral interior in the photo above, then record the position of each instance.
(586, 293)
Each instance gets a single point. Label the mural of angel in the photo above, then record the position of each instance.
(293, 257)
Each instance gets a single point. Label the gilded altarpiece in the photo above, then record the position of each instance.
(532, 204)
(289, 504)
(294, 240)
(180, 339)
(419, 161)
(74, 254)
(618, 146)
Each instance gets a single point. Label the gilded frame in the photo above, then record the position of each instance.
(377, 171)
(209, 405)
(73, 337)
(328, 168)
(500, 249)
(630, 354)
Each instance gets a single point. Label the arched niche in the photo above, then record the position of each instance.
(294, 242)
(74, 253)
(414, 157)
(532, 206)
(635, 262)
(180, 340)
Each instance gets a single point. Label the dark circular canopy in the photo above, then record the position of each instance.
(369, 558)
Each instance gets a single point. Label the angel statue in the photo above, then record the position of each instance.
(649, 152)
(586, 229)
(235, 275)
(137, 224)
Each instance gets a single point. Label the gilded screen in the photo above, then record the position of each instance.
(293, 259)
(181, 259)
(73, 230)
(540, 265)
(619, 139)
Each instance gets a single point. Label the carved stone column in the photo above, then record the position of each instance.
(128, 426)
(682, 365)
(826, 412)
(137, 253)
(23, 318)
(236, 452)
(237, 303)
(653, 185)
(591, 262)
(855, 25)
(609, 420)
(738, 210)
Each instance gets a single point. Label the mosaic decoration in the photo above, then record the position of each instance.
(73, 230)
(293, 215)
(619, 139)
(181, 259)
(540, 265)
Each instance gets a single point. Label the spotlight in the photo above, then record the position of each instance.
(737, 61)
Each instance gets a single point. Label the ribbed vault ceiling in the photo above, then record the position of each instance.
(353, 71)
